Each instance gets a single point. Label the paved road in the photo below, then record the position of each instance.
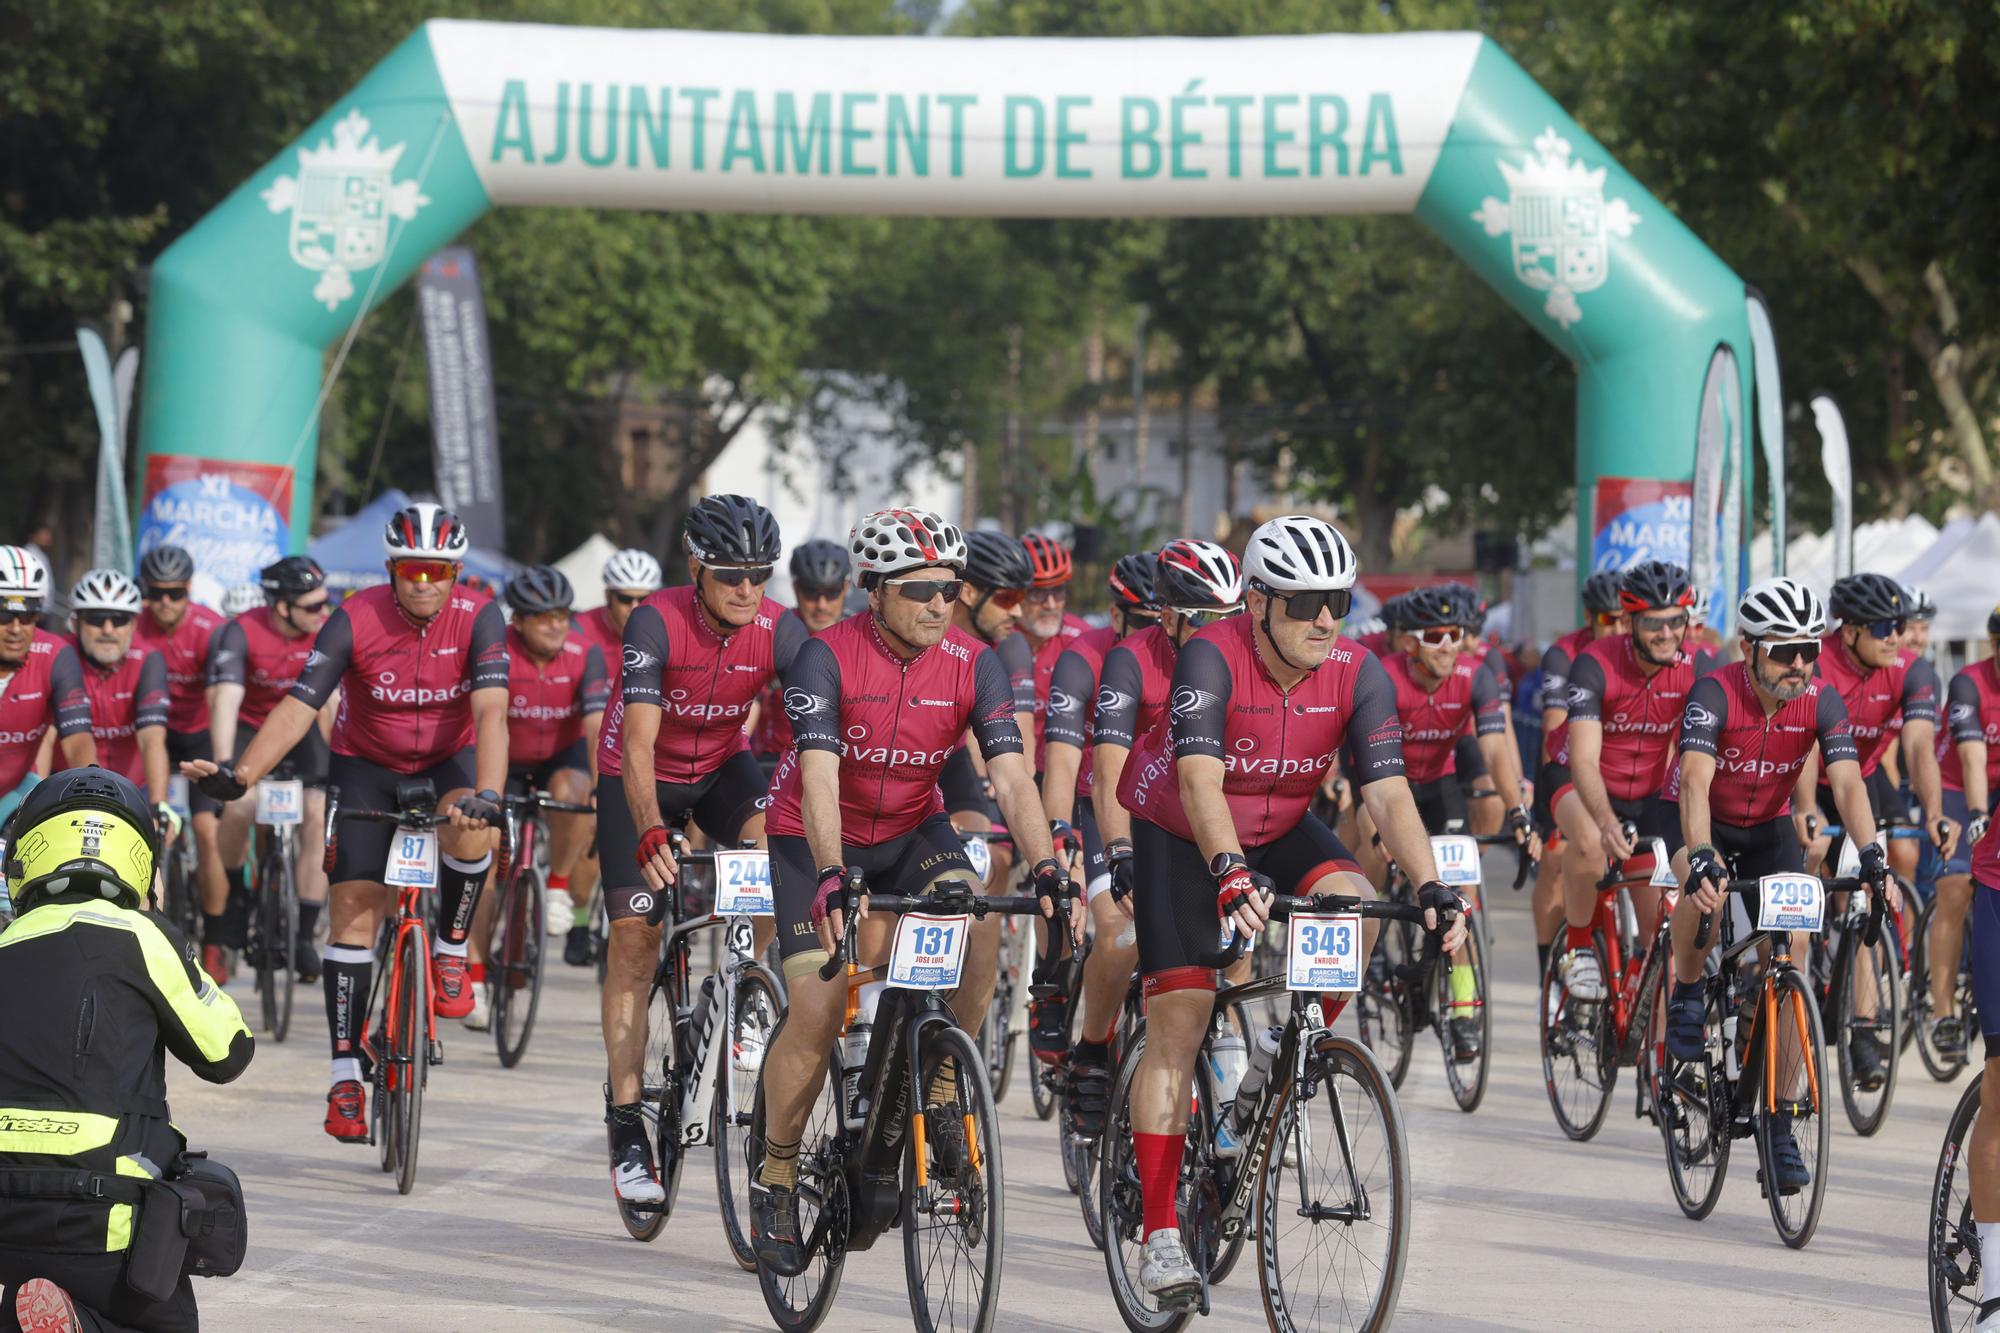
(511, 1226)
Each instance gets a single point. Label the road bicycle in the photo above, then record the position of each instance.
(1007, 1012)
(274, 943)
(1954, 1284)
(1089, 1151)
(1324, 1178)
(180, 899)
(909, 1136)
(705, 1045)
(1762, 1066)
(1584, 1043)
(1849, 973)
(1944, 1066)
(517, 952)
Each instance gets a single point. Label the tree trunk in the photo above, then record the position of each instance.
(1093, 387)
(1375, 512)
(1142, 435)
(1014, 481)
(1187, 460)
(968, 466)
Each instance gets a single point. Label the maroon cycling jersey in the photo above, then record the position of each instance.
(253, 652)
(186, 651)
(547, 701)
(1046, 657)
(1707, 662)
(773, 732)
(47, 688)
(701, 682)
(1073, 696)
(1433, 720)
(1972, 713)
(1881, 699)
(1986, 857)
(1275, 746)
(1640, 715)
(1376, 642)
(892, 721)
(130, 695)
(595, 627)
(1132, 687)
(1758, 758)
(1556, 662)
(405, 687)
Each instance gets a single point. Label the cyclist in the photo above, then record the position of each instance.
(1441, 695)
(422, 673)
(1219, 794)
(183, 632)
(673, 748)
(1625, 696)
(1603, 616)
(1969, 760)
(1983, 1155)
(878, 703)
(1483, 812)
(1746, 733)
(1704, 644)
(127, 686)
(555, 701)
(998, 574)
(821, 576)
(256, 661)
(630, 577)
(1194, 582)
(41, 681)
(1922, 612)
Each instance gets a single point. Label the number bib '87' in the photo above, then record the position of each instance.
(930, 951)
(413, 859)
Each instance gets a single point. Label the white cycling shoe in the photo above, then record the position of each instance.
(481, 1017)
(558, 914)
(633, 1179)
(1581, 978)
(1168, 1275)
(749, 1053)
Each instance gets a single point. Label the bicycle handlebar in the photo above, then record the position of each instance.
(1744, 887)
(417, 816)
(1283, 905)
(1523, 864)
(952, 899)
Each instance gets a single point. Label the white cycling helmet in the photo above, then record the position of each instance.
(890, 541)
(242, 597)
(1190, 574)
(632, 569)
(1781, 610)
(1297, 553)
(105, 590)
(425, 530)
(23, 576)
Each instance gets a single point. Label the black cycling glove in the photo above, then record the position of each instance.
(1874, 864)
(1118, 856)
(222, 784)
(1705, 864)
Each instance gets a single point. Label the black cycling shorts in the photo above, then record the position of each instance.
(185, 747)
(1986, 963)
(574, 757)
(1470, 763)
(1550, 778)
(308, 760)
(720, 805)
(964, 791)
(1769, 848)
(1658, 817)
(906, 865)
(1440, 804)
(1174, 895)
(363, 848)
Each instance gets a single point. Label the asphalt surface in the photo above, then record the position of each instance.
(511, 1224)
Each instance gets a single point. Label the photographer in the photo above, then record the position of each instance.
(98, 1198)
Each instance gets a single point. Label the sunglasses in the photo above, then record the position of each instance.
(809, 593)
(735, 576)
(1139, 620)
(1043, 596)
(1439, 637)
(105, 619)
(160, 594)
(1604, 619)
(425, 571)
(1006, 598)
(10, 617)
(1308, 605)
(1886, 629)
(1207, 615)
(319, 608)
(1654, 624)
(626, 598)
(1789, 654)
(925, 591)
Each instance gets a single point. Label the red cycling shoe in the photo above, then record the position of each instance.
(347, 1111)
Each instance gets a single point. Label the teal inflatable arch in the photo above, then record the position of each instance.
(464, 116)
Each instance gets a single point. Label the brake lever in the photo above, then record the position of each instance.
(851, 915)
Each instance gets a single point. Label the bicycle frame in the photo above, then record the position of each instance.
(409, 918)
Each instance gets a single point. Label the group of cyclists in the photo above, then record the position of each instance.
(1152, 782)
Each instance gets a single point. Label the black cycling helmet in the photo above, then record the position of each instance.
(1600, 593)
(537, 589)
(1652, 584)
(1427, 608)
(1993, 623)
(732, 530)
(1471, 606)
(995, 560)
(83, 828)
(1132, 581)
(1395, 613)
(1863, 599)
(292, 578)
(166, 564)
(821, 564)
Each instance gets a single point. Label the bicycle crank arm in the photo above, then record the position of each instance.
(436, 1051)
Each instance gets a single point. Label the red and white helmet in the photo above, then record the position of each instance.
(23, 576)
(1194, 575)
(425, 531)
(890, 541)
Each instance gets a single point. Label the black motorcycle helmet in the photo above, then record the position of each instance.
(166, 564)
(537, 589)
(994, 560)
(83, 828)
(1600, 593)
(732, 530)
(821, 564)
(1863, 599)
(292, 578)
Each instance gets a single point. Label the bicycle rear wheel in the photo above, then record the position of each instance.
(1942, 1066)
(799, 1304)
(1467, 1080)
(1691, 1103)
(954, 1222)
(756, 1012)
(1382, 1010)
(1579, 1054)
(277, 933)
(1954, 1280)
(1122, 1210)
(1801, 1098)
(1868, 1108)
(412, 1046)
(659, 1094)
(514, 972)
(1333, 1221)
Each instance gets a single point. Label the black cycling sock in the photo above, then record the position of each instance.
(1096, 1052)
(213, 928)
(345, 974)
(1541, 960)
(235, 918)
(628, 1125)
(308, 919)
(459, 883)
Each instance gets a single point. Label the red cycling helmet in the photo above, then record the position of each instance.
(1050, 558)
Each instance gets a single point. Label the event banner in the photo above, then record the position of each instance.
(1640, 518)
(231, 516)
(465, 438)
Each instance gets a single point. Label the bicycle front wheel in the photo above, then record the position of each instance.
(1579, 1056)
(1471, 1016)
(799, 1304)
(1333, 1214)
(411, 1043)
(954, 1219)
(1874, 972)
(1800, 1101)
(1691, 1103)
(514, 975)
(1121, 1209)
(659, 1091)
(1954, 1279)
(755, 1008)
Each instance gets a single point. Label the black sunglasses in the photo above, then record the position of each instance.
(19, 617)
(1787, 654)
(1654, 624)
(735, 576)
(166, 594)
(105, 619)
(1308, 605)
(1886, 629)
(925, 591)
(809, 592)
(626, 599)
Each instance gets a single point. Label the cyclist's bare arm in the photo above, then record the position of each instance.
(489, 738)
(1114, 821)
(1551, 719)
(1926, 782)
(1060, 763)
(1972, 761)
(1850, 798)
(285, 727)
(153, 754)
(1503, 761)
(1586, 746)
(1697, 776)
(1394, 810)
(225, 703)
(1020, 804)
(642, 797)
(1207, 809)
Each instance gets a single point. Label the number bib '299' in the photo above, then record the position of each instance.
(930, 951)
(1790, 902)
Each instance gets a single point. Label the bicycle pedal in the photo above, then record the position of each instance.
(435, 1053)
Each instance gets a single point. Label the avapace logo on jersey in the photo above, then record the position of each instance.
(523, 711)
(895, 754)
(1733, 762)
(705, 712)
(385, 690)
(1283, 767)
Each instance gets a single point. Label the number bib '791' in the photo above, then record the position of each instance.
(1790, 902)
(743, 883)
(1324, 953)
(930, 951)
(281, 802)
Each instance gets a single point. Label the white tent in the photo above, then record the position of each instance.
(1967, 585)
(1883, 545)
(584, 568)
(1951, 536)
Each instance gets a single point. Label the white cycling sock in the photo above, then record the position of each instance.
(1989, 1260)
(441, 945)
(345, 1069)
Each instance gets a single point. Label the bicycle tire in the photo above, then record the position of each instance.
(1575, 1040)
(414, 1048)
(1796, 1226)
(1382, 1010)
(1468, 1092)
(1866, 1111)
(1121, 1208)
(1691, 1105)
(799, 1304)
(1207, 1194)
(1952, 1252)
(1907, 912)
(1332, 1058)
(1941, 1066)
(1645, 1038)
(659, 1096)
(515, 982)
(756, 1004)
(974, 1214)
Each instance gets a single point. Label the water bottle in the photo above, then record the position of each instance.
(1227, 1059)
(854, 1054)
(1229, 1142)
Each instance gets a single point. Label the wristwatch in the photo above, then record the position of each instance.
(1222, 862)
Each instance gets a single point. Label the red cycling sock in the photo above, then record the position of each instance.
(558, 883)
(1159, 1160)
(475, 972)
(1579, 937)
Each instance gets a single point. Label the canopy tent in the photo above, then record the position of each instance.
(352, 553)
(584, 568)
(1967, 586)
(1885, 544)
(1932, 558)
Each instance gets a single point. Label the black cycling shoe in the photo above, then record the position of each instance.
(774, 1228)
(1948, 1036)
(1048, 1027)
(1788, 1164)
(1685, 1036)
(944, 1131)
(1088, 1096)
(305, 957)
(1465, 1044)
(577, 947)
(1868, 1060)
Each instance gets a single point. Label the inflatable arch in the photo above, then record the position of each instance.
(463, 116)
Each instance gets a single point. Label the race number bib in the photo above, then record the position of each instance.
(281, 802)
(930, 951)
(981, 856)
(1663, 865)
(413, 859)
(1457, 857)
(743, 883)
(1324, 953)
(1790, 902)
(1850, 856)
(177, 794)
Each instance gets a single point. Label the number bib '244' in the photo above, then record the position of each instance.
(743, 883)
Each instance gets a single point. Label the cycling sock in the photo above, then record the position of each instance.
(308, 919)
(1687, 990)
(1463, 989)
(1158, 1157)
(475, 973)
(559, 884)
(458, 895)
(628, 1125)
(1989, 1260)
(1541, 960)
(213, 928)
(1095, 1052)
(581, 916)
(1579, 937)
(781, 1165)
(344, 974)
